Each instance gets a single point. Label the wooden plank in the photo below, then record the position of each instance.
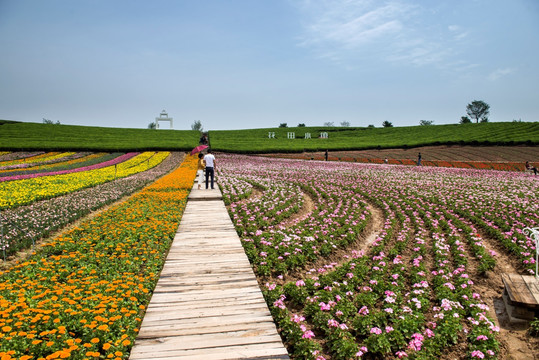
(518, 290)
(213, 340)
(533, 287)
(178, 312)
(251, 352)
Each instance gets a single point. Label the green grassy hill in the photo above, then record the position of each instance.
(257, 140)
(34, 136)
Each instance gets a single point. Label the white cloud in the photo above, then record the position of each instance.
(394, 31)
(498, 73)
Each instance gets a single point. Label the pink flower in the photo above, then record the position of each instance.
(401, 354)
(376, 330)
(308, 334)
(362, 351)
(478, 354)
(363, 311)
(416, 342)
(324, 306)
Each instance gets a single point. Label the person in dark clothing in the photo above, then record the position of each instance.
(531, 168)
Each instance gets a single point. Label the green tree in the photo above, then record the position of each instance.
(478, 110)
(329, 124)
(426, 122)
(283, 125)
(345, 123)
(197, 125)
(465, 120)
(151, 125)
(387, 124)
(301, 125)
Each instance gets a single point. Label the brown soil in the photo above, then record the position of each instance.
(444, 152)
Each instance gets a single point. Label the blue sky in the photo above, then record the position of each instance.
(235, 64)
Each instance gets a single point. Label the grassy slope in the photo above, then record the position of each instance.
(257, 141)
(34, 136)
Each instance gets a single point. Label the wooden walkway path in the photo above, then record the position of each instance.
(207, 303)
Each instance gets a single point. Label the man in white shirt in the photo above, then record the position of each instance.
(210, 165)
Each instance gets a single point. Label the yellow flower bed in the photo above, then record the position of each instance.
(20, 192)
(84, 294)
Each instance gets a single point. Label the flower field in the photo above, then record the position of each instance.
(25, 189)
(25, 225)
(83, 295)
(411, 292)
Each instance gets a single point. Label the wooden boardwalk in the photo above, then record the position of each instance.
(207, 303)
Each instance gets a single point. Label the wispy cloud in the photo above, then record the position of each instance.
(394, 31)
(498, 73)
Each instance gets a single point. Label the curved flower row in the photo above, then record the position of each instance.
(17, 155)
(99, 165)
(83, 295)
(68, 161)
(24, 225)
(412, 293)
(36, 158)
(16, 193)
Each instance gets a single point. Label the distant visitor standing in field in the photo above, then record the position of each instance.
(200, 169)
(326, 155)
(209, 159)
(531, 168)
(419, 159)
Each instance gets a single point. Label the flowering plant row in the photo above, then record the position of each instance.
(78, 159)
(51, 161)
(83, 295)
(21, 192)
(411, 293)
(32, 158)
(24, 225)
(99, 165)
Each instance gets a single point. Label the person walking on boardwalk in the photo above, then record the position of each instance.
(419, 159)
(200, 169)
(210, 161)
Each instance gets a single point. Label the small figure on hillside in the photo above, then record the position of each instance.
(209, 159)
(419, 159)
(200, 169)
(203, 139)
(531, 168)
(326, 155)
(386, 161)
